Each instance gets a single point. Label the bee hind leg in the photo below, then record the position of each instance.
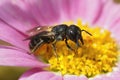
(54, 48)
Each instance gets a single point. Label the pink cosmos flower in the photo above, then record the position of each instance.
(18, 16)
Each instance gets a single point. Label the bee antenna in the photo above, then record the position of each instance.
(86, 32)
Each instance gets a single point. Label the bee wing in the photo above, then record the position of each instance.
(47, 33)
(34, 31)
(38, 29)
(42, 34)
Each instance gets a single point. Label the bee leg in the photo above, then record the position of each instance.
(77, 40)
(81, 39)
(54, 48)
(68, 45)
(77, 43)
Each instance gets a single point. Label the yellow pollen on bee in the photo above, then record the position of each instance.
(98, 55)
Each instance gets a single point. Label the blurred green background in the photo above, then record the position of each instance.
(13, 73)
(10, 73)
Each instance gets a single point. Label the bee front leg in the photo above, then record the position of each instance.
(68, 45)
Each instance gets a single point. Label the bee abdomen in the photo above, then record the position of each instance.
(34, 42)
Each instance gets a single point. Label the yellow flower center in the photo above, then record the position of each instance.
(98, 55)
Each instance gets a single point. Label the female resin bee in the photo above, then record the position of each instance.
(62, 32)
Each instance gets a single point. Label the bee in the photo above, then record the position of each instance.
(53, 34)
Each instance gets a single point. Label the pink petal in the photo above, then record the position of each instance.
(9, 57)
(32, 13)
(17, 16)
(102, 77)
(74, 77)
(91, 11)
(7, 47)
(45, 12)
(29, 13)
(37, 74)
(10, 35)
(110, 15)
(12, 47)
(29, 73)
(57, 78)
(115, 75)
(115, 30)
(80, 9)
(110, 18)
